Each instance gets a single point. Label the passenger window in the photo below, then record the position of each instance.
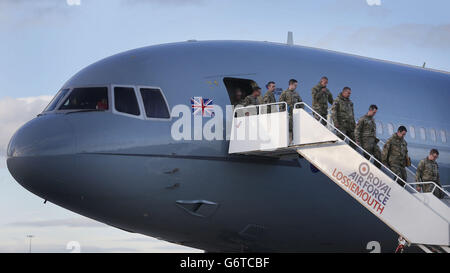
(154, 103)
(125, 101)
(52, 105)
(390, 128)
(412, 132)
(443, 137)
(433, 135)
(423, 135)
(86, 98)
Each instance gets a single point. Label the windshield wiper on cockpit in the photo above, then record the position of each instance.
(86, 110)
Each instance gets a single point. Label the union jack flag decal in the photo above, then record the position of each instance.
(202, 107)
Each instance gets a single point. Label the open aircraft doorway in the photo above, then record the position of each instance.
(238, 88)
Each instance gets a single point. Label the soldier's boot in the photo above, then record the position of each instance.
(437, 192)
(404, 176)
(377, 154)
(401, 183)
(378, 165)
(316, 116)
(323, 121)
(341, 136)
(397, 170)
(351, 135)
(366, 155)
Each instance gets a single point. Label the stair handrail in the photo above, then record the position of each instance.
(258, 106)
(397, 178)
(435, 186)
(379, 142)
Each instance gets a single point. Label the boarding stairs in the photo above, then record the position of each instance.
(420, 218)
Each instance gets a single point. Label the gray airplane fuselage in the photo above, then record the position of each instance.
(130, 173)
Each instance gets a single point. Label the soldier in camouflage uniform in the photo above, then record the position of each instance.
(342, 114)
(365, 133)
(427, 171)
(238, 100)
(269, 97)
(291, 97)
(255, 98)
(395, 154)
(321, 97)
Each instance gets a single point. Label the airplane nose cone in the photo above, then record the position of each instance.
(40, 152)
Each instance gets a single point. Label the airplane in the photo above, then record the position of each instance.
(104, 146)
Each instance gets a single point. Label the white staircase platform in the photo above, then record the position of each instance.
(420, 218)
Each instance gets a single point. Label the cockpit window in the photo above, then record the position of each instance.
(154, 103)
(52, 105)
(87, 98)
(125, 101)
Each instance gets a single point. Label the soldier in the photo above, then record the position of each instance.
(321, 97)
(291, 97)
(238, 97)
(342, 114)
(365, 133)
(269, 97)
(428, 171)
(254, 98)
(395, 154)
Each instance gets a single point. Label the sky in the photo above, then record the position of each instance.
(44, 42)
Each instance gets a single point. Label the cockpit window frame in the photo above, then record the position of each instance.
(60, 102)
(71, 88)
(63, 98)
(113, 101)
(141, 102)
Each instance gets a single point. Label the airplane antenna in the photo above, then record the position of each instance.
(290, 38)
(30, 237)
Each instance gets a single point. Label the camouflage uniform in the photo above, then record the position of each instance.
(252, 100)
(269, 97)
(365, 136)
(343, 116)
(320, 101)
(395, 152)
(291, 97)
(240, 102)
(428, 170)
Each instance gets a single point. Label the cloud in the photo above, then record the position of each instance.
(68, 222)
(353, 8)
(14, 112)
(19, 13)
(373, 2)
